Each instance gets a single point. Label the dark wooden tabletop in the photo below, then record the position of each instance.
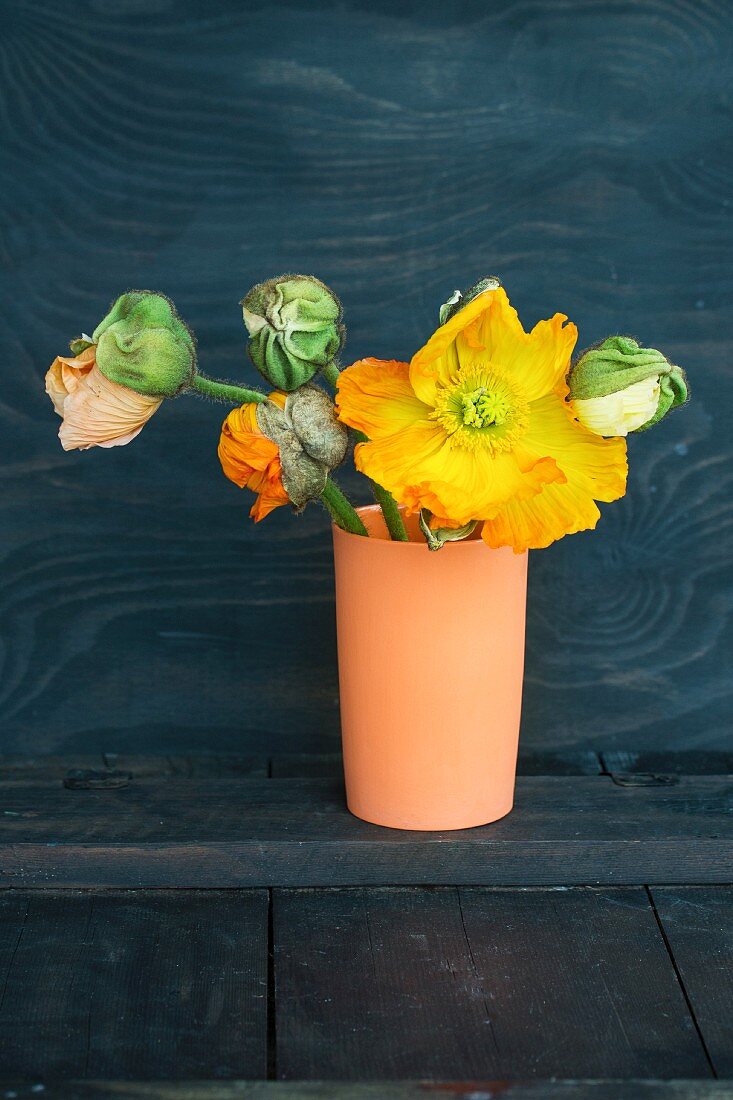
(186, 908)
(226, 919)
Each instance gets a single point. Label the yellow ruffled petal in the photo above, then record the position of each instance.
(438, 361)
(488, 329)
(375, 396)
(485, 487)
(449, 481)
(533, 524)
(545, 361)
(596, 465)
(397, 459)
(595, 469)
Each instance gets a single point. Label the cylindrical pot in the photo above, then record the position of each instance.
(431, 658)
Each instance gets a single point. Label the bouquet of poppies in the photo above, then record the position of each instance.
(488, 427)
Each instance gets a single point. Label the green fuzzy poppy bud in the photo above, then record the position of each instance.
(143, 344)
(313, 418)
(294, 323)
(310, 439)
(458, 300)
(619, 387)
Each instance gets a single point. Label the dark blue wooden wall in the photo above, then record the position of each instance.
(580, 149)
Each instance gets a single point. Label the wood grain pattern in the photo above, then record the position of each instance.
(131, 985)
(698, 924)
(297, 832)
(451, 984)
(581, 150)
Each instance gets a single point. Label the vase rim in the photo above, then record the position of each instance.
(372, 516)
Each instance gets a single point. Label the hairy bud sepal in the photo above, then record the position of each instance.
(80, 344)
(459, 299)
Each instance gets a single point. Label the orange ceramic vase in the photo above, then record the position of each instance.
(431, 658)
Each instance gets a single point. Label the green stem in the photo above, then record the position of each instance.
(391, 513)
(226, 391)
(344, 515)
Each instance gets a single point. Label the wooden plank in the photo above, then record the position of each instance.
(297, 832)
(683, 762)
(698, 924)
(475, 983)
(305, 765)
(203, 765)
(134, 985)
(569, 762)
(321, 765)
(20, 768)
(371, 1090)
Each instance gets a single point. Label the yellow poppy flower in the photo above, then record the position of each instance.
(476, 427)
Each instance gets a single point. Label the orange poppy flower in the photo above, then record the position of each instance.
(251, 460)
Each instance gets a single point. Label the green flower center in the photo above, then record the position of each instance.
(482, 408)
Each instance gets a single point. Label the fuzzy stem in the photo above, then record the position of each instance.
(344, 515)
(391, 513)
(331, 373)
(226, 391)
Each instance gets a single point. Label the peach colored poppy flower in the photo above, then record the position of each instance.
(95, 411)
